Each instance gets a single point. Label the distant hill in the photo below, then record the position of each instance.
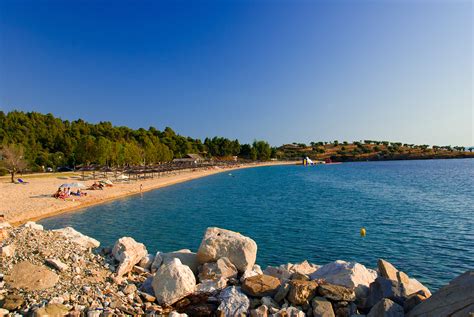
(369, 150)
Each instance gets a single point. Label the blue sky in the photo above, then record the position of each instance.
(283, 71)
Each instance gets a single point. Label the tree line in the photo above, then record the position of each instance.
(47, 141)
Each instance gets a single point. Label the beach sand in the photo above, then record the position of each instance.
(20, 203)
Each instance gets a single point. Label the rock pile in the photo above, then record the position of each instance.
(55, 273)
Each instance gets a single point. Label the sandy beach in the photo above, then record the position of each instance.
(20, 203)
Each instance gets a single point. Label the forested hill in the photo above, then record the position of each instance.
(52, 142)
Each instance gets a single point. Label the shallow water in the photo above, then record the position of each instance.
(419, 215)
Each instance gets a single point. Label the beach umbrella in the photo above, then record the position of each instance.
(73, 185)
(106, 181)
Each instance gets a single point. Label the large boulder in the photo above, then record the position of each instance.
(385, 288)
(302, 292)
(322, 307)
(411, 285)
(261, 285)
(289, 312)
(31, 277)
(223, 268)
(255, 270)
(348, 274)
(172, 282)
(128, 252)
(386, 308)
(233, 302)
(79, 238)
(454, 299)
(33, 225)
(185, 256)
(218, 243)
(280, 272)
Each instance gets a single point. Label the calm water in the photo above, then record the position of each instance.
(419, 215)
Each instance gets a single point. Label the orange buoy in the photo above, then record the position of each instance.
(362, 232)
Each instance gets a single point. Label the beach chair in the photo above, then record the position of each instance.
(22, 181)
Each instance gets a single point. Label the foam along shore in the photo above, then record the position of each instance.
(33, 201)
(56, 273)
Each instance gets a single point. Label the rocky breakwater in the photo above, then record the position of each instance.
(58, 273)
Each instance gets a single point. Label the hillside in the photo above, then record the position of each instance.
(369, 151)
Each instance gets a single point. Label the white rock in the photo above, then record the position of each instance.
(146, 261)
(289, 312)
(211, 286)
(172, 282)
(79, 238)
(5, 225)
(7, 250)
(414, 286)
(218, 243)
(281, 272)
(233, 302)
(176, 314)
(185, 256)
(33, 225)
(304, 267)
(223, 268)
(57, 264)
(4, 312)
(348, 274)
(255, 270)
(128, 252)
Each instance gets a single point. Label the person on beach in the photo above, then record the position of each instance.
(141, 188)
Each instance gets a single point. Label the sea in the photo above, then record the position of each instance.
(418, 215)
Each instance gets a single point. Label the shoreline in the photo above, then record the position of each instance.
(38, 210)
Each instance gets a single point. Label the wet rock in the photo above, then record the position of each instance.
(172, 282)
(454, 299)
(233, 302)
(301, 292)
(336, 292)
(128, 252)
(223, 268)
(218, 243)
(78, 238)
(322, 307)
(261, 285)
(33, 225)
(348, 274)
(185, 256)
(31, 277)
(57, 264)
(386, 308)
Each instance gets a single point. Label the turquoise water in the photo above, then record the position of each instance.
(419, 215)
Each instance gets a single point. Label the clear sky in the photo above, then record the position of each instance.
(283, 71)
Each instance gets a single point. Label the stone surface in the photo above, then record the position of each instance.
(52, 310)
(283, 274)
(3, 312)
(185, 256)
(282, 292)
(211, 286)
(218, 243)
(289, 312)
(255, 270)
(223, 268)
(386, 308)
(414, 286)
(261, 285)
(387, 270)
(128, 252)
(412, 301)
(301, 292)
(172, 282)
(304, 267)
(57, 264)
(13, 302)
(31, 277)
(233, 302)
(33, 225)
(79, 238)
(454, 299)
(176, 314)
(146, 261)
(322, 307)
(336, 292)
(261, 311)
(7, 250)
(385, 288)
(348, 274)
